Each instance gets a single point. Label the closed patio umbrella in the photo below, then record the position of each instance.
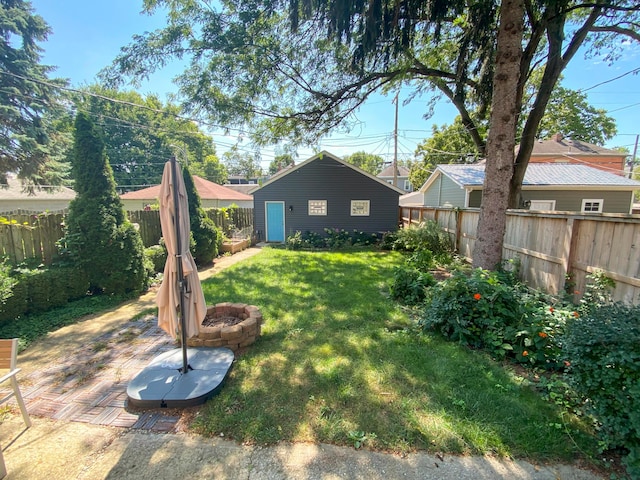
(180, 299)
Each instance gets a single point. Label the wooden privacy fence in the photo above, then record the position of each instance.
(30, 236)
(555, 250)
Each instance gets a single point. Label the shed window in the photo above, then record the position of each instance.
(317, 207)
(590, 205)
(359, 208)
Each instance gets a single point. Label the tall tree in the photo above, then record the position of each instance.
(26, 93)
(366, 161)
(211, 169)
(205, 233)
(279, 162)
(141, 133)
(264, 64)
(246, 165)
(99, 237)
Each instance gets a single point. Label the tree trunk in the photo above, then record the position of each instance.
(501, 139)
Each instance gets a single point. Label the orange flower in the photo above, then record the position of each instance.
(551, 309)
(576, 314)
(477, 296)
(567, 363)
(542, 335)
(576, 292)
(525, 353)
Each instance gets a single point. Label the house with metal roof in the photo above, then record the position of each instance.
(546, 186)
(322, 192)
(559, 149)
(211, 194)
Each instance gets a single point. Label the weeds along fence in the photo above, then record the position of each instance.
(35, 236)
(556, 251)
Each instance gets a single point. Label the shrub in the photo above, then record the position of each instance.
(99, 238)
(6, 282)
(410, 285)
(206, 235)
(157, 255)
(41, 289)
(295, 242)
(603, 349)
(336, 238)
(426, 236)
(474, 310)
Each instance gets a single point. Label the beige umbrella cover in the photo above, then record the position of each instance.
(168, 298)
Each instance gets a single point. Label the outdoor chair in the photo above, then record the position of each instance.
(8, 361)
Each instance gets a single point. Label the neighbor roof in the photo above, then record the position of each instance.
(388, 171)
(206, 189)
(15, 191)
(559, 146)
(561, 175)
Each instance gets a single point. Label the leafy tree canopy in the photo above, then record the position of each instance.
(26, 94)
(366, 161)
(246, 165)
(279, 162)
(142, 133)
(264, 64)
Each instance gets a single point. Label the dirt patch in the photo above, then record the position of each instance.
(210, 321)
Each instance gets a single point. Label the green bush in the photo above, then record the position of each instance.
(410, 285)
(99, 239)
(6, 282)
(426, 236)
(42, 289)
(603, 350)
(157, 255)
(473, 309)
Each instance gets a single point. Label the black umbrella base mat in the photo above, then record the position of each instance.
(163, 385)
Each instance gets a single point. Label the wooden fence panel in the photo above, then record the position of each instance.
(552, 246)
(149, 225)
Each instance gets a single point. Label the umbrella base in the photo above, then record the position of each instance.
(161, 384)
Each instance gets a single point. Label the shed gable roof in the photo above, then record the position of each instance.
(565, 146)
(319, 156)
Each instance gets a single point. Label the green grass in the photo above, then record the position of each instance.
(339, 362)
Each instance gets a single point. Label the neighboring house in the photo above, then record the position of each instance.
(550, 186)
(245, 188)
(211, 194)
(563, 150)
(241, 180)
(402, 177)
(14, 197)
(324, 192)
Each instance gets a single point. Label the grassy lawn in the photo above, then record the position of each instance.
(339, 362)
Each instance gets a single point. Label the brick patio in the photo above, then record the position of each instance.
(89, 385)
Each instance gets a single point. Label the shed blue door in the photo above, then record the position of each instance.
(275, 221)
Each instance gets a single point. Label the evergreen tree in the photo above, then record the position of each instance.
(204, 230)
(99, 237)
(26, 94)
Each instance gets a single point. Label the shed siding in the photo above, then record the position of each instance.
(327, 179)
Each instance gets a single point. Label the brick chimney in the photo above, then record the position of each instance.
(557, 137)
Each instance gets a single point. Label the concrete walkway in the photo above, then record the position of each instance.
(74, 383)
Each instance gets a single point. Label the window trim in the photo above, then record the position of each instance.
(318, 210)
(356, 205)
(599, 201)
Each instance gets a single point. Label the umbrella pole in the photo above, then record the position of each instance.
(181, 281)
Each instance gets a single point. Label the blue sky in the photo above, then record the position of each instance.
(87, 36)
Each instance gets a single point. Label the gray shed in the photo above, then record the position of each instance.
(324, 192)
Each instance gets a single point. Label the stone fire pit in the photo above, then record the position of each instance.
(231, 325)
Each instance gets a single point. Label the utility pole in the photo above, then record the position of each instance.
(633, 158)
(395, 144)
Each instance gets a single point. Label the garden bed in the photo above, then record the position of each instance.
(235, 246)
